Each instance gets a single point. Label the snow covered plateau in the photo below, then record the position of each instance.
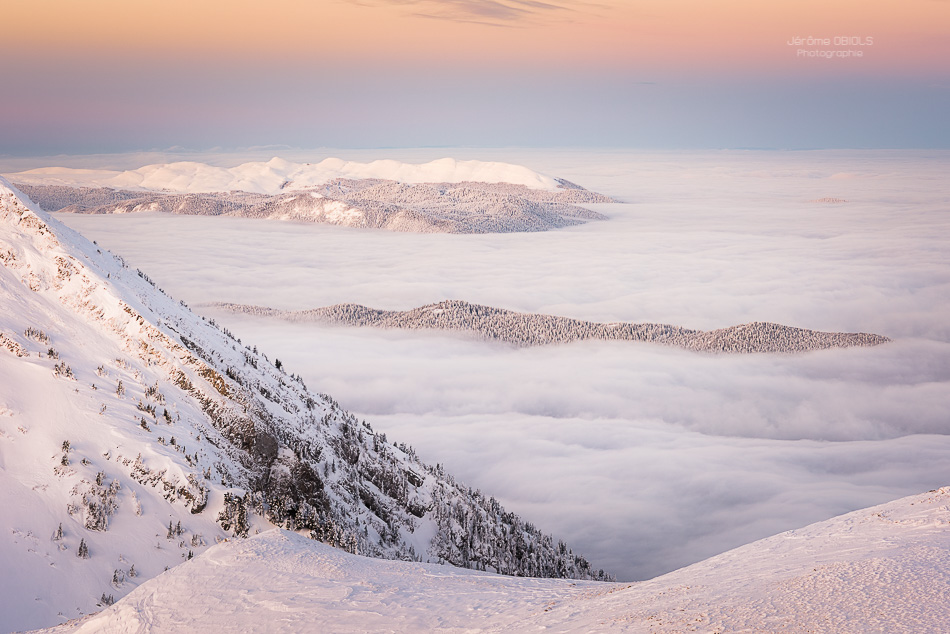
(276, 175)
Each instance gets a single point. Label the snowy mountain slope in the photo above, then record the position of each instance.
(133, 435)
(882, 569)
(467, 207)
(276, 175)
(532, 329)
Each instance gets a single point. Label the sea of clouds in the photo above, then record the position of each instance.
(643, 458)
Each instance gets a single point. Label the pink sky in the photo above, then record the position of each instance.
(94, 68)
(731, 36)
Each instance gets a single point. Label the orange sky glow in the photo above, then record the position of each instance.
(110, 74)
(730, 36)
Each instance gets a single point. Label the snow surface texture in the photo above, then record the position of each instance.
(528, 329)
(277, 175)
(134, 434)
(466, 207)
(882, 569)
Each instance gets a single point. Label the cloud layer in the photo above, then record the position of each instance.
(643, 458)
(493, 12)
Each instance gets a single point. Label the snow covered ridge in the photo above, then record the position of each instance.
(466, 207)
(277, 175)
(445, 196)
(882, 569)
(134, 435)
(531, 329)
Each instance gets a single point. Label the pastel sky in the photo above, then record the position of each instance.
(110, 75)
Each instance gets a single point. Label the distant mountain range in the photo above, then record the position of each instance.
(461, 197)
(278, 175)
(531, 329)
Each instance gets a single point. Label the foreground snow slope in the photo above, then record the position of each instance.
(134, 435)
(276, 175)
(883, 569)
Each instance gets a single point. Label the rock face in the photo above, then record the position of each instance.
(529, 329)
(134, 434)
(466, 207)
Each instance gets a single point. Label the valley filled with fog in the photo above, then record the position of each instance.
(644, 458)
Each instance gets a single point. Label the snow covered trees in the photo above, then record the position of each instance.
(95, 502)
(532, 329)
(233, 517)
